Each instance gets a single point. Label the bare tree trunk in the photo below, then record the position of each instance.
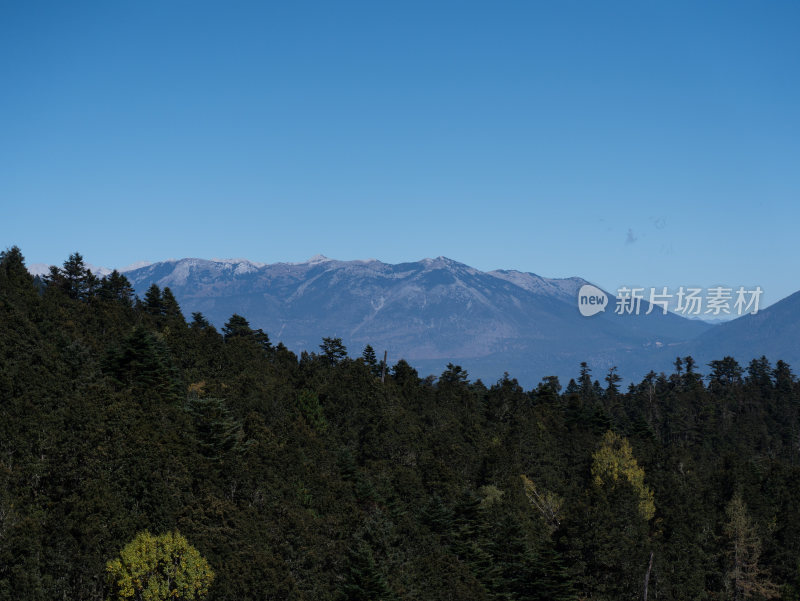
(383, 368)
(647, 575)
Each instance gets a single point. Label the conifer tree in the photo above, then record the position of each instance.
(585, 386)
(371, 361)
(199, 321)
(116, 287)
(14, 276)
(746, 578)
(217, 431)
(77, 279)
(369, 356)
(152, 301)
(169, 305)
(363, 579)
(236, 327)
(333, 351)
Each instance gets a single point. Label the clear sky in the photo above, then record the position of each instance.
(652, 143)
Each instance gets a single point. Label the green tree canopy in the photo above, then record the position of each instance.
(333, 350)
(152, 300)
(614, 461)
(159, 568)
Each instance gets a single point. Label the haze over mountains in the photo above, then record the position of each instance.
(436, 311)
(774, 332)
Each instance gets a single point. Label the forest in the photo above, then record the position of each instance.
(330, 476)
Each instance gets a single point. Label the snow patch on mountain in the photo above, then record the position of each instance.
(562, 288)
(39, 269)
(136, 265)
(42, 269)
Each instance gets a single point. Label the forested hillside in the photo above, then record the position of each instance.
(315, 477)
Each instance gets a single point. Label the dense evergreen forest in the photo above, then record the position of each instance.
(316, 477)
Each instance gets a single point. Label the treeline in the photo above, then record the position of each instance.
(310, 478)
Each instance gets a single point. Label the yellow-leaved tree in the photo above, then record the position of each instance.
(547, 503)
(158, 568)
(614, 461)
(618, 549)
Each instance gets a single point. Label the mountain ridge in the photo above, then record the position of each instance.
(439, 310)
(430, 312)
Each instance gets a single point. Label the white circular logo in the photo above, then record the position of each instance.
(591, 300)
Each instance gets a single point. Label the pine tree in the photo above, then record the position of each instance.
(152, 301)
(454, 375)
(169, 305)
(548, 389)
(437, 516)
(404, 374)
(691, 377)
(14, 276)
(585, 386)
(363, 579)
(784, 378)
(236, 327)
(759, 376)
(612, 382)
(549, 578)
(142, 361)
(311, 410)
(369, 356)
(216, 430)
(725, 374)
(116, 287)
(333, 351)
(510, 575)
(77, 279)
(371, 361)
(200, 322)
(467, 535)
(746, 577)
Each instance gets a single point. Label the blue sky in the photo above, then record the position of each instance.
(631, 143)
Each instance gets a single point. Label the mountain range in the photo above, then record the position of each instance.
(436, 311)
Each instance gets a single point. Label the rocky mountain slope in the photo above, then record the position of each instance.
(429, 312)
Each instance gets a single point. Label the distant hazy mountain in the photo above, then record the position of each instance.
(429, 312)
(44, 269)
(773, 332)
